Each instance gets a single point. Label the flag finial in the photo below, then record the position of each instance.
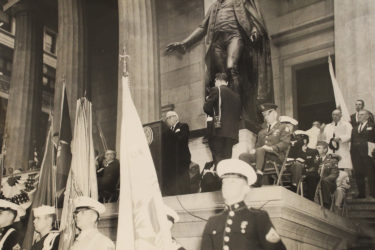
(123, 58)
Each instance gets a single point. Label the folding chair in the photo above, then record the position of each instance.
(278, 170)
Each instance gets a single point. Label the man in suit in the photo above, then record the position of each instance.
(108, 176)
(359, 105)
(180, 138)
(224, 105)
(272, 142)
(239, 227)
(363, 164)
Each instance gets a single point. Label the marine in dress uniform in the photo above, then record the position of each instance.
(237, 227)
(179, 178)
(86, 216)
(44, 218)
(9, 213)
(108, 175)
(272, 142)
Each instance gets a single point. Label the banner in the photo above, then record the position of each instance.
(339, 98)
(142, 222)
(82, 175)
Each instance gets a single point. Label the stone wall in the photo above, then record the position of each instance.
(182, 77)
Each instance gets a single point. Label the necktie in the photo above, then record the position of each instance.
(269, 128)
(360, 128)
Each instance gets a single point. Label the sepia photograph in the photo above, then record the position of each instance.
(187, 125)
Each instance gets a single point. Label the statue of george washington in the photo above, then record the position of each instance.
(237, 43)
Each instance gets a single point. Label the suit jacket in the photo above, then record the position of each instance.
(230, 111)
(354, 122)
(330, 170)
(278, 138)
(181, 138)
(241, 228)
(359, 140)
(108, 177)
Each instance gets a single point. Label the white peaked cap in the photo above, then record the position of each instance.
(236, 167)
(44, 210)
(84, 201)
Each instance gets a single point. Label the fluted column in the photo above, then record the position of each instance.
(355, 50)
(139, 35)
(24, 103)
(71, 55)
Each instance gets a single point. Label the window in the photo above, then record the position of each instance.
(6, 59)
(49, 41)
(48, 79)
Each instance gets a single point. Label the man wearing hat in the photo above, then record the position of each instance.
(328, 172)
(108, 176)
(272, 143)
(179, 178)
(224, 106)
(44, 218)
(9, 213)
(86, 215)
(238, 227)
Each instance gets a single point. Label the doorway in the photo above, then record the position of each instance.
(314, 93)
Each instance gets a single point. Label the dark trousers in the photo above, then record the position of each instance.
(297, 170)
(328, 188)
(311, 180)
(227, 52)
(363, 167)
(260, 156)
(221, 148)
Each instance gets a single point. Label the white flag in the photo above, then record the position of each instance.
(142, 222)
(339, 98)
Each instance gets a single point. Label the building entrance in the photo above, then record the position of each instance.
(314, 93)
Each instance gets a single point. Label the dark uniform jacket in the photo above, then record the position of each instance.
(359, 140)
(53, 239)
(108, 178)
(330, 170)
(181, 138)
(278, 138)
(11, 241)
(230, 111)
(240, 228)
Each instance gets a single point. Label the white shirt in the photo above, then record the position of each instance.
(92, 239)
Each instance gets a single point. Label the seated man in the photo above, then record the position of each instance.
(343, 186)
(108, 175)
(328, 172)
(272, 143)
(9, 213)
(44, 219)
(312, 176)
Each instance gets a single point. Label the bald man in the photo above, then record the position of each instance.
(337, 134)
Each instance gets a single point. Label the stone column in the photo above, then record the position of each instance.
(139, 35)
(355, 50)
(71, 56)
(24, 103)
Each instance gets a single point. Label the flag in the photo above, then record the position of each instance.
(44, 194)
(339, 98)
(142, 222)
(82, 175)
(63, 154)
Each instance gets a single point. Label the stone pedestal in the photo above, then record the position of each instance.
(71, 56)
(355, 50)
(301, 223)
(24, 103)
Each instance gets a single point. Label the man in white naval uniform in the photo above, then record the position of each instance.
(86, 216)
(337, 134)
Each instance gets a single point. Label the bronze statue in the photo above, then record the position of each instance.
(237, 43)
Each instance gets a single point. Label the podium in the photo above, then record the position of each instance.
(159, 138)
